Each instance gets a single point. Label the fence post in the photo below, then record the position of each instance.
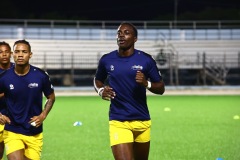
(204, 68)
(176, 69)
(170, 69)
(72, 68)
(45, 61)
(239, 59)
(52, 28)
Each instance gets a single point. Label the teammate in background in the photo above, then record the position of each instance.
(5, 56)
(23, 86)
(122, 77)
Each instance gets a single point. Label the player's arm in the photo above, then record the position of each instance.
(4, 119)
(105, 92)
(97, 84)
(48, 105)
(38, 120)
(154, 87)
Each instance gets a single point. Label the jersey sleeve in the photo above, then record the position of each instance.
(47, 85)
(153, 73)
(101, 73)
(1, 82)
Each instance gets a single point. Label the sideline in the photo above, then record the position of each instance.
(169, 90)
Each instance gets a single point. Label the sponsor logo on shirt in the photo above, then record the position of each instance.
(11, 86)
(137, 67)
(33, 85)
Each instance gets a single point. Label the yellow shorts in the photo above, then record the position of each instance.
(129, 131)
(1, 132)
(32, 145)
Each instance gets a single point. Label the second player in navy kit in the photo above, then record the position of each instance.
(23, 86)
(5, 63)
(122, 77)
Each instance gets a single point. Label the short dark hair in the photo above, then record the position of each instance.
(24, 42)
(3, 43)
(133, 27)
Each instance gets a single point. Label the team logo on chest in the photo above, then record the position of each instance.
(33, 85)
(11, 86)
(137, 67)
(112, 68)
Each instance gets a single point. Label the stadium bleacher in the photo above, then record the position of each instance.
(73, 62)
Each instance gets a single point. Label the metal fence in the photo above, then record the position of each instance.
(105, 30)
(157, 31)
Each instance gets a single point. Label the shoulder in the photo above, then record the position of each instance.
(107, 56)
(39, 71)
(3, 73)
(110, 54)
(7, 71)
(143, 54)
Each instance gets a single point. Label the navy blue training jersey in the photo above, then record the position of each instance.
(2, 100)
(130, 101)
(1, 70)
(23, 96)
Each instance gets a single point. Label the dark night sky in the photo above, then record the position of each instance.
(112, 10)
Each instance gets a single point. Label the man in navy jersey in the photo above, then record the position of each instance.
(122, 77)
(5, 56)
(23, 86)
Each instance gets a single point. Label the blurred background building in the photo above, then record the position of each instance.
(194, 43)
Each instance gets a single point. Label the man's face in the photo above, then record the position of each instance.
(5, 54)
(125, 36)
(21, 54)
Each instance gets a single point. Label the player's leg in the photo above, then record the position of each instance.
(19, 155)
(34, 145)
(14, 145)
(121, 140)
(1, 149)
(141, 150)
(1, 141)
(123, 151)
(141, 133)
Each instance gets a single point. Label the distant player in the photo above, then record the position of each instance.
(123, 76)
(23, 86)
(5, 56)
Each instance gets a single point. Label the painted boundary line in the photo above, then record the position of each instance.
(169, 90)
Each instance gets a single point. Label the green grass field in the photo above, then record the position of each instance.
(196, 128)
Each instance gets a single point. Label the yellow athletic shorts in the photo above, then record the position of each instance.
(129, 131)
(32, 145)
(1, 132)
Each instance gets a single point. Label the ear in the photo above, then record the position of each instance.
(135, 39)
(30, 54)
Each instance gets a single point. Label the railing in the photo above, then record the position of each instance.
(213, 24)
(106, 30)
(148, 30)
(73, 60)
(66, 67)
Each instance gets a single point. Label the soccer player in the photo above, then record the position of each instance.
(5, 56)
(23, 86)
(122, 77)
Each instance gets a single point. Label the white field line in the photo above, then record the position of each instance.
(181, 91)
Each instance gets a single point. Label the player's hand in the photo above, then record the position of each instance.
(140, 78)
(4, 119)
(36, 121)
(108, 93)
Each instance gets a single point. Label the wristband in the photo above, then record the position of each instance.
(100, 91)
(149, 85)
